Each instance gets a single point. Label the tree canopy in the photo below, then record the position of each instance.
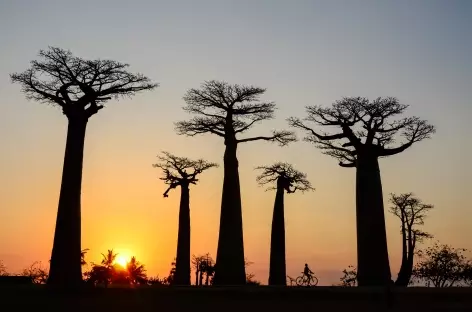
(280, 170)
(62, 79)
(364, 124)
(223, 109)
(177, 170)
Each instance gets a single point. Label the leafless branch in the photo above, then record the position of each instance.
(410, 210)
(281, 137)
(68, 81)
(179, 170)
(284, 175)
(200, 125)
(366, 125)
(227, 110)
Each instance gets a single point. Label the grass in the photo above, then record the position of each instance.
(255, 298)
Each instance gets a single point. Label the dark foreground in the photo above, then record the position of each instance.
(227, 299)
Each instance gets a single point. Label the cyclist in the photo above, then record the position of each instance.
(307, 272)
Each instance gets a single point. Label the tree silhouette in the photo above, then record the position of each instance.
(136, 272)
(441, 265)
(108, 259)
(79, 87)
(36, 272)
(99, 274)
(349, 278)
(228, 111)
(367, 133)
(411, 212)
(82, 256)
(3, 269)
(181, 171)
(197, 265)
(286, 179)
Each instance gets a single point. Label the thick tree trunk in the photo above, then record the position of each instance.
(372, 253)
(401, 273)
(229, 268)
(182, 262)
(65, 267)
(277, 271)
(410, 262)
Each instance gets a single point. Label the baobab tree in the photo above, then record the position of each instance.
(411, 211)
(79, 87)
(228, 111)
(367, 131)
(286, 179)
(181, 171)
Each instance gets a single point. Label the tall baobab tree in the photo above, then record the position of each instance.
(286, 179)
(367, 131)
(181, 171)
(228, 111)
(411, 211)
(79, 87)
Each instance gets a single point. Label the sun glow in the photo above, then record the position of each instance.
(122, 260)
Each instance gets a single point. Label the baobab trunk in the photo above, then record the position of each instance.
(230, 268)
(182, 261)
(372, 254)
(401, 273)
(65, 267)
(277, 271)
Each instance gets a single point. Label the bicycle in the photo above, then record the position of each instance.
(304, 280)
(291, 280)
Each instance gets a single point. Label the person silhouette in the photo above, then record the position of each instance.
(306, 271)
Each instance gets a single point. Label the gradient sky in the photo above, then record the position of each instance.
(303, 52)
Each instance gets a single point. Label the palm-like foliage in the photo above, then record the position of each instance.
(136, 271)
(82, 256)
(109, 258)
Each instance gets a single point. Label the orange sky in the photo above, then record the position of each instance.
(424, 60)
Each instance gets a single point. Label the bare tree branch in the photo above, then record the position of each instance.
(228, 110)
(180, 170)
(200, 125)
(365, 124)
(284, 175)
(411, 211)
(282, 137)
(414, 131)
(73, 83)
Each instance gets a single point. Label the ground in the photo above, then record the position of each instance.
(245, 299)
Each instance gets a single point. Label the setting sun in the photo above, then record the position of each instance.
(122, 260)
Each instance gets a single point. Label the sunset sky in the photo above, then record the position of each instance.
(303, 52)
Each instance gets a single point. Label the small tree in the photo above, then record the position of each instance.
(108, 259)
(78, 87)
(286, 179)
(3, 269)
(180, 171)
(250, 276)
(441, 266)
(36, 272)
(99, 274)
(411, 211)
(197, 265)
(367, 132)
(136, 272)
(228, 111)
(349, 278)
